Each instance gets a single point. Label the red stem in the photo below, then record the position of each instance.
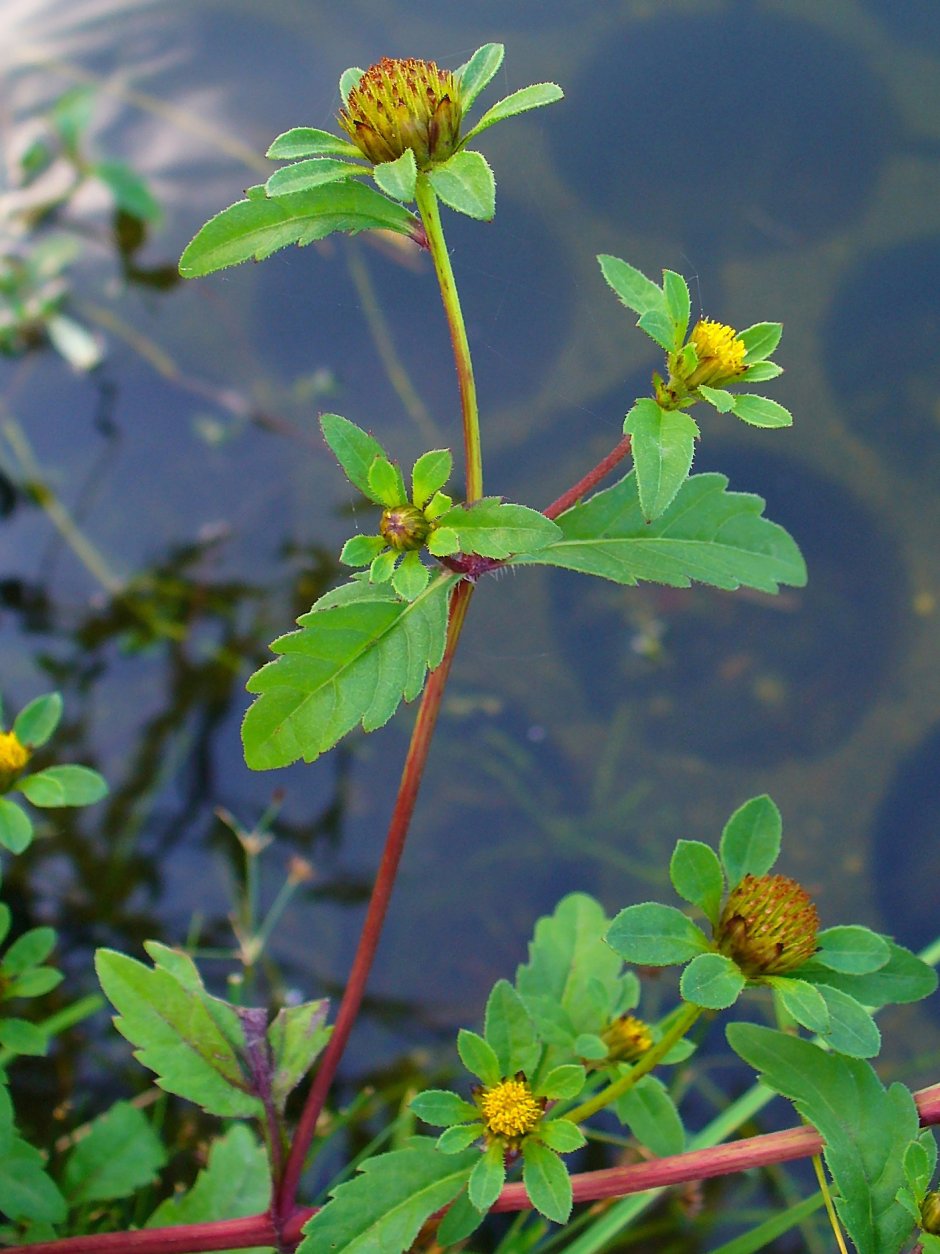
(588, 1186)
(284, 1201)
(590, 480)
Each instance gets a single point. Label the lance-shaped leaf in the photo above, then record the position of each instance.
(182, 1033)
(521, 101)
(308, 141)
(354, 449)
(478, 71)
(316, 172)
(865, 1128)
(663, 445)
(259, 226)
(360, 650)
(635, 290)
(383, 1208)
(707, 534)
(494, 529)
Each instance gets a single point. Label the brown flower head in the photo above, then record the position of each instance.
(768, 925)
(404, 527)
(401, 104)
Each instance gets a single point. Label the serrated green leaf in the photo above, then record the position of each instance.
(697, 877)
(176, 1035)
(920, 1161)
(650, 1113)
(903, 979)
(852, 949)
(386, 484)
(722, 399)
(431, 471)
(678, 303)
(120, 1154)
(304, 175)
(308, 141)
(296, 1036)
(521, 101)
(258, 226)
(509, 1030)
(760, 411)
(441, 1108)
(16, 828)
(801, 1000)
(411, 578)
(398, 178)
(663, 445)
(478, 1056)
(750, 842)
(761, 340)
(851, 1030)
(64, 786)
(659, 326)
(760, 372)
(439, 504)
(443, 541)
(476, 73)
(707, 534)
(495, 529)
(22, 1037)
(361, 550)
(546, 1181)
(348, 80)
(465, 182)
(865, 1128)
(36, 722)
(456, 1139)
(571, 972)
(233, 1184)
(653, 935)
(354, 449)
(635, 290)
(713, 981)
(360, 651)
(28, 950)
(561, 1135)
(487, 1177)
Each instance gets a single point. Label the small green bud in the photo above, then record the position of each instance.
(404, 527)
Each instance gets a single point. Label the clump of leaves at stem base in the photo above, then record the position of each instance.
(53, 786)
(764, 932)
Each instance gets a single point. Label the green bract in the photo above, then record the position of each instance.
(48, 788)
(766, 933)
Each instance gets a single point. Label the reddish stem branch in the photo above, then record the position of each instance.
(284, 1202)
(590, 480)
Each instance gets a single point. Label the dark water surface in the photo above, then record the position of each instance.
(786, 159)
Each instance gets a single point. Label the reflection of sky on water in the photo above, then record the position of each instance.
(802, 181)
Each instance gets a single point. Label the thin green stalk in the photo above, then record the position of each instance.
(650, 1059)
(431, 218)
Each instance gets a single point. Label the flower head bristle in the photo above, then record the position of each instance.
(401, 104)
(768, 925)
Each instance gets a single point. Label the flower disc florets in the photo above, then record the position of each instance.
(510, 1110)
(720, 352)
(404, 527)
(768, 925)
(626, 1038)
(401, 104)
(14, 756)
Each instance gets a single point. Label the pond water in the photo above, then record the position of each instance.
(786, 159)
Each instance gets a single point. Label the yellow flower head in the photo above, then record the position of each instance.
(626, 1038)
(509, 1109)
(13, 758)
(720, 351)
(400, 104)
(768, 925)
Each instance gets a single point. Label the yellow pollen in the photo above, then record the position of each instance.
(720, 346)
(13, 754)
(509, 1109)
(627, 1037)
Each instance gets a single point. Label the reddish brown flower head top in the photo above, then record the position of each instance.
(768, 925)
(398, 105)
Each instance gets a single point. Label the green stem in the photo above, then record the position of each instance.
(650, 1059)
(431, 218)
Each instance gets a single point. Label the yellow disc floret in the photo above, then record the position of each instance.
(509, 1109)
(720, 351)
(626, 1038)
(401, 104)
(13, 758)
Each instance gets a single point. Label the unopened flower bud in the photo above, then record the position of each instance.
(400, 104)
(404, 527)
(768, 925)
(930, 1213)
(626, 1038)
